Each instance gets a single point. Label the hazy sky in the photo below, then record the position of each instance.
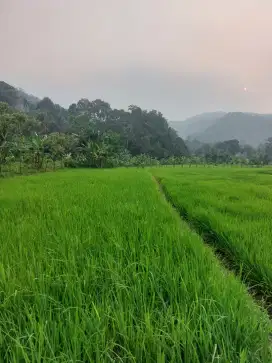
(181, 57)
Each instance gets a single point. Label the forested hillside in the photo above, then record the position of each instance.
(89, 133)
(38, 132)
(196, 124)
(17, 98)
(248, 128)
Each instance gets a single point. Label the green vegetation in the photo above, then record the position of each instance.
(38, 135)
(230, 152)
(92, 135)
(96, 266)
(232, 207)
(88, 134)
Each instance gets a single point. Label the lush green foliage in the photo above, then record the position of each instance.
(140, 131)
(231, 152)
(92, 134)
(232, 207)
(88, 134)
(95, 266)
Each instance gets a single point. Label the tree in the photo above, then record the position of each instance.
(13, 126)
(37, 150)
(52, 117)
(89, 133)
(56, 146)
(267, 155)
(230, 147)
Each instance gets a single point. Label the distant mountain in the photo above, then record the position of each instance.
(52, 116)
(30, 98)
(248, 128)
(17, 98)
(196, 124)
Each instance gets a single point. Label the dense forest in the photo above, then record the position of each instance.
(231, 152)
(37, 134)
(89, 133)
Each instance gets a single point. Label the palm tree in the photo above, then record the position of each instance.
(37, 148)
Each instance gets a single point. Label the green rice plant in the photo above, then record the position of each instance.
(96, 266)
(232, 208)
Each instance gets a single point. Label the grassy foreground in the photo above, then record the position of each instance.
(96, 267)
(232, 207)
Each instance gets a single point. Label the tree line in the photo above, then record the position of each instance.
(42, 135)
(231, 152)
(88, 134)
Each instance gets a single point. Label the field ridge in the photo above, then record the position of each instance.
(211, 238)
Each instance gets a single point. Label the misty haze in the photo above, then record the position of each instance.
(180, 57)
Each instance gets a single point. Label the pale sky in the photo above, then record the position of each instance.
(182, 57)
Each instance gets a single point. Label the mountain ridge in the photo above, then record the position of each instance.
(247, 127)
(210, 127)
(17, 97)
(196, 123)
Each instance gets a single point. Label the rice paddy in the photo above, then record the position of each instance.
(233, 208)
(96, 266)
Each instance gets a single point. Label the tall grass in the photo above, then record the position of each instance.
(95, 266)
(232, 207)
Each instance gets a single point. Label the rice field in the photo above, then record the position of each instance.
(96, 266)
(233, 208)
